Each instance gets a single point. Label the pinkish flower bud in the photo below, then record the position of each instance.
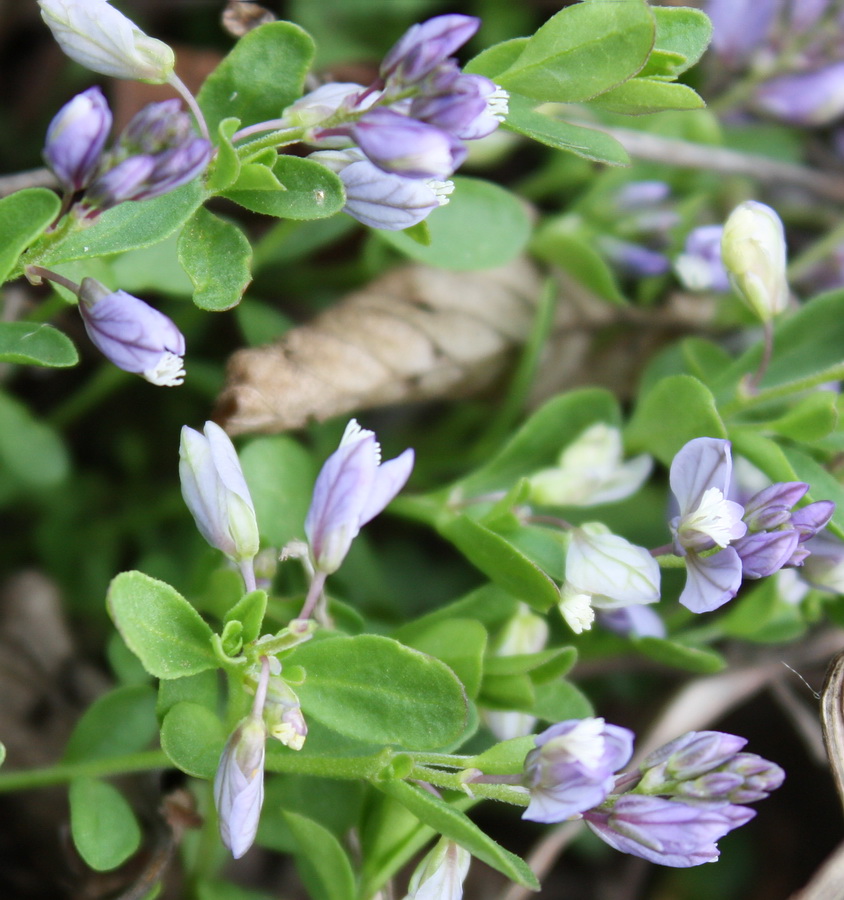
(424, 46)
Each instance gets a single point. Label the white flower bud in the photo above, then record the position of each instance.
(753, 252)
(97, 36)
(441, 873)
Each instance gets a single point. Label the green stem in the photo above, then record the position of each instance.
(454, 781)
(440, 759)
(741, 404)
(274, 140)
(27, 779)
(816, 252)
(351, 767)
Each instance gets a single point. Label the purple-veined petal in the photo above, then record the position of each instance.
(711, 580)
(700, 464)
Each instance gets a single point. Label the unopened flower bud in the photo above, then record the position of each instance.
(441, 873)
(352, 488)
(283, 714)
(131, 334)
(97, 36)
(814, 98)
(216, 492)
(754, 254)
(239, 785)
(424, 46)
(76, 137)
(771, 507)
(690, 756)
(699, 266)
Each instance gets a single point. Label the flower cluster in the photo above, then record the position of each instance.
(395, 143)
(683, 798)
(156, 152)
(723, 541)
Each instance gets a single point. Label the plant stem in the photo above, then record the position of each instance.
(455, 782)
(27, 779)
(740, 404)
(347, 767)
(189, 98)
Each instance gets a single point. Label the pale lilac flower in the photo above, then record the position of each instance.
(812, 98)
(239, 781)
(441, 873)
(572, 768)
(824, 568)
(700, 480)
(468, 106)
(351, 489)
(216, 492)
(97, 36)
(400, 144)
(666, 832)
(740, 26)
(131, 334)
(76, 137)
(633, 259)
(637, 195)
(689, 756)
(632, 621)
(283, 714)
(699, 266)
(425, 46)
(380, 199)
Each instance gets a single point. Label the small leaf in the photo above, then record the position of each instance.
(501, 562)
(460, 644)
(225, 167)
(647, 95)
(321, 860)
(163, 630)
(540, 666)
(374, 689)
(30, 450)
(497, 58)
(582, 51)
(202, 688)
(504, 758)
(193, 737)
(560, 700)
(682, 31)
(119, 722)
(37, 345)
(23, 217)
(676, 410)
(216, 255)
(458, 827)
(104, 828)
(263, 74)
(681, 656)
(310, 191)
(249, 611)
(481, 227)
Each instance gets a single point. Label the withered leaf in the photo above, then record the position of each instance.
(416, 333)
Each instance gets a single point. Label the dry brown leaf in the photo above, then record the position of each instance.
(242, 16)
(416, 333)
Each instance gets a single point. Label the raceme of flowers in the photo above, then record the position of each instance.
(672, 811)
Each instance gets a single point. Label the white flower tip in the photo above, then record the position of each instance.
(576, 609)
(442, 190)
(498, 104)
(355, 433)
(168, 372)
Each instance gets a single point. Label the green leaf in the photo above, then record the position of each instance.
(582, 51)
(225, 167)
(202, 688)
(504, 758)
(163, 630)
(37, 345)
(560, 700)
(374, 689)
(249, 611)
(482, 226)
(501, 562)
(216, 255)
(30, 450)
(459, 643)
(541, 666)
(127, 227)
(681, 656)
(822, 485)
(310, 191)
(23, 217)
(811, 418)
(763, 615)
(321, 860)
(119, 722)
(222, 890)
(193, 737)
(563, 242)
(676, 410)
(561, 135)
(2, 754)
(497, 58)
(281, 475)
(508, 693)
(647, 95)
(458, 827)
(104, 828)
(263, 74)
(682, 32)
(539, 442)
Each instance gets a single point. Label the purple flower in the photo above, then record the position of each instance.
(239, 785)
(632, 621)
(699, 266)
(466, 106)
(740, 26)
(806, 98)
(156, 127)
(700, 480)
(689, 756)
(766, 552)
(666, 832)
(633, 259)
(424, 46)
(637, 195)
(216, 492)
(351, 489)
(379, 199)
(572, 768)
(132, 335)
(402, 145)
(76, 137)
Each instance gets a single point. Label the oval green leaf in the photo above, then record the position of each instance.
(23, 217)
(121, 721)
(37, 345)
(322, 862)
(193, 737)
(104, 828)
